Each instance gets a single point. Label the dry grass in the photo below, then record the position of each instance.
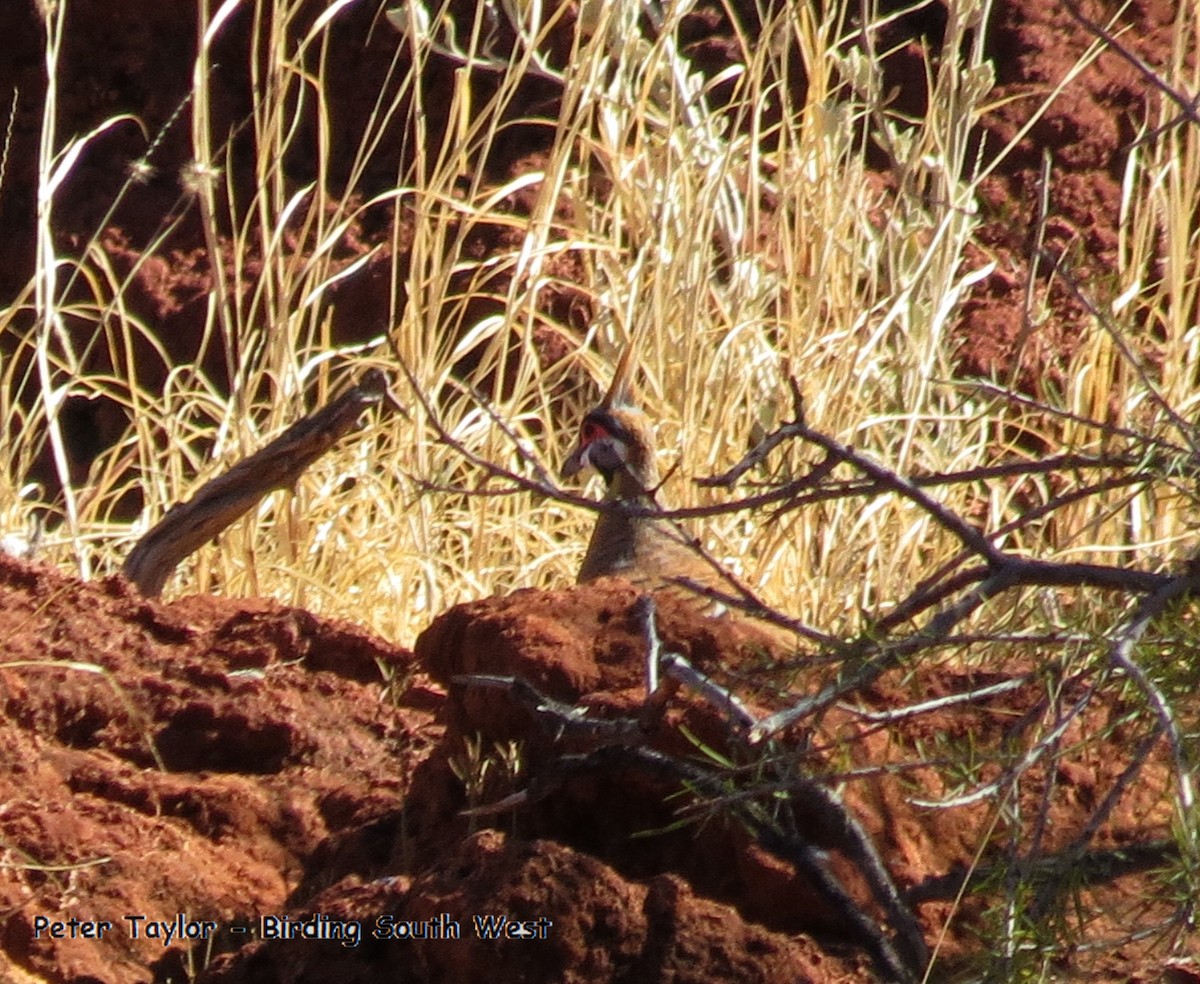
(850, 286)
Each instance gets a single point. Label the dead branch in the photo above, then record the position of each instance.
(224, 499)
(902, 963)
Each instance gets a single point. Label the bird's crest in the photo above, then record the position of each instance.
(620, 390)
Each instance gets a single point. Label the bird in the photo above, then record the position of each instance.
(616, 439)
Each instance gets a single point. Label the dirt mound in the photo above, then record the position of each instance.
(175, 773)
(183, 759)
(215, 780)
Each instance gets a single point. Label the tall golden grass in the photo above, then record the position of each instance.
(850, 283)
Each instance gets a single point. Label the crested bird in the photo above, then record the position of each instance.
(616, 438)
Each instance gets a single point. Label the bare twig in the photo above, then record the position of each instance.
(1187, 105)
(1185, 428)
(1121, 655)
(1136, 439)
(1010, 776)
(880, 657)
(928, 706)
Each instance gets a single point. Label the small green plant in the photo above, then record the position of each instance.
(486, 776)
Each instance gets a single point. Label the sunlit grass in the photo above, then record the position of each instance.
(734, 247)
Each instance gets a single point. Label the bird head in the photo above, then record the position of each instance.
(615, 437)
(614, 441)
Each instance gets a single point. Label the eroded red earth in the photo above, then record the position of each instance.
(225, 760)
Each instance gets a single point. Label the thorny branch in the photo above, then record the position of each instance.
(982, 571)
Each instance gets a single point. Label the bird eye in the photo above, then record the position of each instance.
(589, 431)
